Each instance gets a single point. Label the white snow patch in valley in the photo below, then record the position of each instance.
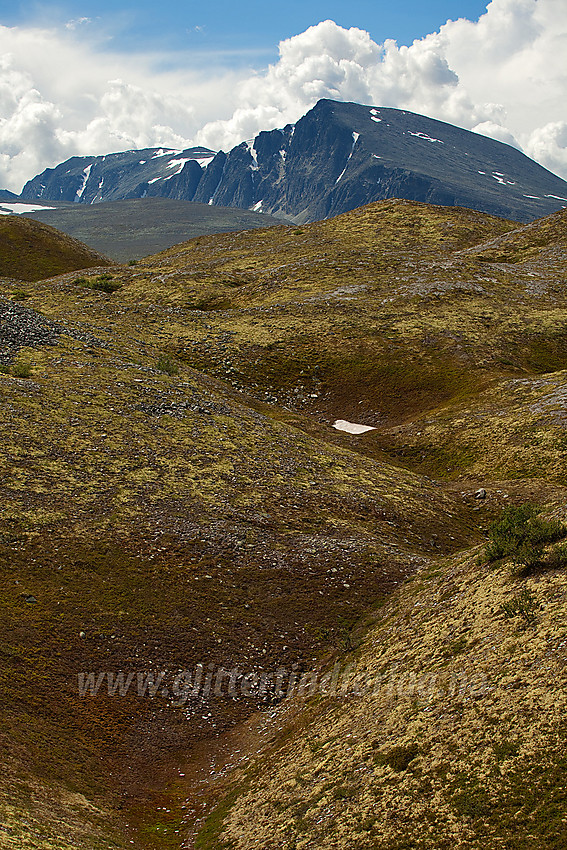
(499, 178)
(282, 154)
(86, 174)
(206, 160)
(257, 207)
(373, 118)
(426, 137)
(20, 209)
(535, 197)
(142, 162)
(155, 179)
(482, 172)
(351, 427)
(557, 197)
(375, 156)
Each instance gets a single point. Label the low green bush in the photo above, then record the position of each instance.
(21, 370)
(523, 605)
(557, 558)
(167, 365)
(398, 758)
(521, 534)
(102, 283)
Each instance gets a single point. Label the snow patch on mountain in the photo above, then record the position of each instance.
(355, 138)
(164, 152)
(86, 175)
(426, 137)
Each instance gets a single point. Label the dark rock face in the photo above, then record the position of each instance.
(210, 180)
(151, 172)
(337, 157)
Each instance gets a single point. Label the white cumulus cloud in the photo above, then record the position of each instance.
(63, 95)
(504, 75)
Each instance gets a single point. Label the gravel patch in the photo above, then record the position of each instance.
(22, 327)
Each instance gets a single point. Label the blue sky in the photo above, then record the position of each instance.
(234, 32)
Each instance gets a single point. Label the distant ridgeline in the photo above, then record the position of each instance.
(337, 157)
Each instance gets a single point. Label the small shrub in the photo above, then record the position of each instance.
(473, 802)
(343, 792)
(398, 758)
(521, 534)
(132, 262)
(344, 637)
(20, 295)
(557, 558)
(4, 369)
(167, 365)
(104, 283)
(21, 370)
(80, 281)
(523, 605)
(206, 301)
(505, 750)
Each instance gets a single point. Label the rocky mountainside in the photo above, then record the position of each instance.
(150, 172)
(192, 517)
(339, 156)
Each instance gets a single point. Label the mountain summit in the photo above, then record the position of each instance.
(339, 156)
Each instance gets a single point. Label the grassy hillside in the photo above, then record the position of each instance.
(447, 728)
(33, 251)
(132, 229)
(175, 494)
(375, 316)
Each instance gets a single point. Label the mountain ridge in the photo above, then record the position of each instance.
(335, 158)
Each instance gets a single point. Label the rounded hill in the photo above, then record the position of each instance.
(30, 250)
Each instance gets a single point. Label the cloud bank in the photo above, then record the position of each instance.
(504, 75)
